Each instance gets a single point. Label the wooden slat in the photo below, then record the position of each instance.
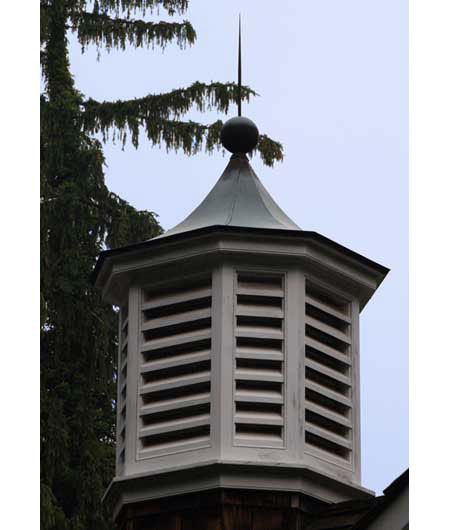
(313, 322)
(181, 338)
(121, 428)
(328, 393)
(180, 318)
(327, 435)
(175, 404)
(267, 290)
(175, 425)
(196, 442)
(261, 354)
(327, 413)
(258, 440)
(258, 332)
(327, 309)
(328, 372)
(176, 382)
(253, 396)
(328, 350)
(259, 311)
(177, 298)
(258, 375)
(124, 363)
(172, 362)
(258, 419)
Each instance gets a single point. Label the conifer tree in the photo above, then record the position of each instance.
(80, 217)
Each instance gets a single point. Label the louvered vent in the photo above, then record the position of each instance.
(175, 368)
(122, 387)
(328, 390)
(259, 360)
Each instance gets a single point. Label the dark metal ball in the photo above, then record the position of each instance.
(239, 135)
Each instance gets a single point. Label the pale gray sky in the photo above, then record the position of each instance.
(332, 78)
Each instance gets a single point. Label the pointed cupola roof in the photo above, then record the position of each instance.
(239, 198)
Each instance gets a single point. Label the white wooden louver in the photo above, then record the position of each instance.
(122, 387)
(259, 360)
(174, 367)
(328, 378)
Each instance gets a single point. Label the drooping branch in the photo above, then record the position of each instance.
(189, 136)
(169, 106)
(125, 223)
(171, 6)
(270, 150)
(100, 29)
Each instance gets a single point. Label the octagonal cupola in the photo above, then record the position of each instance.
(239, 348)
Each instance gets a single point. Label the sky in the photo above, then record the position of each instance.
(332, 79)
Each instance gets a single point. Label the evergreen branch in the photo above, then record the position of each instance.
(44, 22)
(99, 28)
(189, 136)
(270, 150)
(171, 6)
(125, 223)
(171, 105)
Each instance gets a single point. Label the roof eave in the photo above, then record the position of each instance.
(137, 248)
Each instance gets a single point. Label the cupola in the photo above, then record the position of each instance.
(239, 349)
(239, 357)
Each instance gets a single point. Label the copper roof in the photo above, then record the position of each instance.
(238, 199)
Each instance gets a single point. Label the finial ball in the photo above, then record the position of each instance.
(239, 135)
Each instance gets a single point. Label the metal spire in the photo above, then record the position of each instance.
(239, 135)
(239, 71)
